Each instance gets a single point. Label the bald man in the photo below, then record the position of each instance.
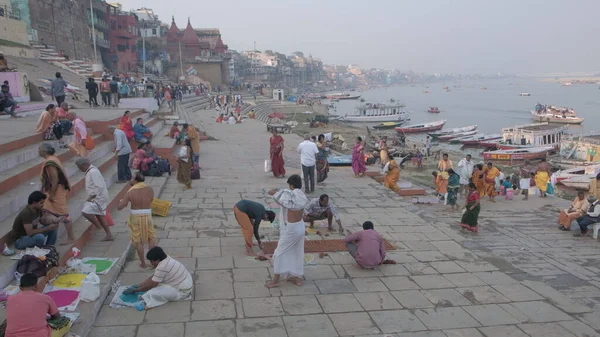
(94, 210)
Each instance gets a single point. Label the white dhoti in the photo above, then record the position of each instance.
(288, 258)
(162, 294)
(94, 207)
(524, 184)
(464, 181)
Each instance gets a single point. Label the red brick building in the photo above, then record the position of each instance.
(193, 43)
(123, 39)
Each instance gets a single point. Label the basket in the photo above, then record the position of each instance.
(160, 207)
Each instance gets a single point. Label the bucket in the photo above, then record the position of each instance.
(509, 194)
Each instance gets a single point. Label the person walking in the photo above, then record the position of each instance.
(92, 88)
(122, 149)
(308, 159)
(94, 209)
(465, 171)
(114, 92)
(105, 91)
(57, 88)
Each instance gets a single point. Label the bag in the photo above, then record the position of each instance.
(57, 130)
(153, 171)
(164, 165)
(89, 143)
(109, 220)
(550, 189)
(268, 167)
(195, 172)
(90, 288)
(32, 264)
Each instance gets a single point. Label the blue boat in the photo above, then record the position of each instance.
(340, 160)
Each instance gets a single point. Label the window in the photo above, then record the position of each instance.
(121, 47)
(153, 31)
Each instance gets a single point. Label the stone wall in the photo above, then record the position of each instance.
(13, 30)
(20, 52)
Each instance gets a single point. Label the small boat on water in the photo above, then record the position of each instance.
(367, 113)
(453, 131)
(434, 109)
(578, 183)
(424, 127)
(455, 135)
(552, 118)
(524, 94)
(478, 139)
(349, 97)
(512, 155)
(389, 125)
(589, 171)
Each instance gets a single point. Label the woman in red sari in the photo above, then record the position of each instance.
(126, 125)
(277, 155)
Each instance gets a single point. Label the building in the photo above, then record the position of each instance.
(148, 24)
(122, 56)
(98, 28)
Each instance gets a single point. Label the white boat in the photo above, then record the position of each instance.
(478, 138)
(524, 94)
(455, 135)
(579, 183)
(590, 171)
(531, 153)
(555, 118)
(369, 113)
(453, 131)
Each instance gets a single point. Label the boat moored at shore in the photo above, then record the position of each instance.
(531, 136)
(517, 155)
(423, 127)
(376, 113)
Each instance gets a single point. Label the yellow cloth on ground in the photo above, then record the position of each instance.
(541, 180)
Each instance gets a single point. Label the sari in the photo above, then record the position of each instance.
(358, 159)
(541, 180)
(45, 122)
(470, 216)
(184, 171)
(441, 183)
(322, 164)
(80, 134)
(578, 208)
(383, 154)
(288, 258)
(276, 150)
(127, 127)
(489, 180)
(392, 176)
(453, 187)
(477, 178)
(58, 207)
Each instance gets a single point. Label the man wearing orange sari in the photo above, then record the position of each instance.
(56, 186)
(489, 180)
(579, 207)
(276, 150)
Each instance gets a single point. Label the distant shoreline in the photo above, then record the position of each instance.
(572, 79)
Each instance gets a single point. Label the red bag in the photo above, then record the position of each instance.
(109, 220)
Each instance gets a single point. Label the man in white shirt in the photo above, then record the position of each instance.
(465, 171)
(308, 158)
(94, 210)
(122, 150)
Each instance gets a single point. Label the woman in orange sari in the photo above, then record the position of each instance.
(126, 125)
(477, 178)
(392, 176)
(56, 186)
(276, 149)
(490, 172)
(577, 209)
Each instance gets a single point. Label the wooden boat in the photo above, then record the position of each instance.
(564, 164)
(434, 109)
(517, 154)
(454, 135)
(590, 171)
(452, 131)
(531, 136)
(555, 118)
(349, 97)
(579, 183)
(478, 139)
(389, 125)
(376, 113)
(424, 127)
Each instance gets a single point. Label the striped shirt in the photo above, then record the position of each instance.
(172, 273)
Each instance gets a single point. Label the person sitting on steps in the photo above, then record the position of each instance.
(30, 228)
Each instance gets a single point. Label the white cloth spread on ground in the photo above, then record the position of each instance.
(175, 283)
(288, 258)
(95, 185)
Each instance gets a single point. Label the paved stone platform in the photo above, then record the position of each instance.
(518, 277)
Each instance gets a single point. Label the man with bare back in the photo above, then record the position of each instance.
(140, 223)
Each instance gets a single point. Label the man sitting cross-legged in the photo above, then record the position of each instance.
(171, 281)
(29, 230)
(367, 247)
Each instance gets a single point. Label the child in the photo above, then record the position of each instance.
(48, 219)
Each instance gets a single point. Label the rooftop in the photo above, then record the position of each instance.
(535, 127)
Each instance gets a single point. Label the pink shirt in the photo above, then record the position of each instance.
(26, 314)
(371, 250)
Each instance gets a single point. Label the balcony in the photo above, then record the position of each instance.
(98, 23)
(102, 43)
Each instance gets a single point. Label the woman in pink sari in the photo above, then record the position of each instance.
(277, 163)
(80, 128)
(358, 158)
(126, 125)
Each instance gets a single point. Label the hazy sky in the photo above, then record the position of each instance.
(431, 36)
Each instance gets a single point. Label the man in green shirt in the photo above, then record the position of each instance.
(25, 230)
(249, 214)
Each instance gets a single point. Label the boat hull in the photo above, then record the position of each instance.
(371, 119)
(349, 97)
(486, 141)
(457, 135)
(420, 130)
(578, 183)
(557, 120)
(517, 156)
(453, 131)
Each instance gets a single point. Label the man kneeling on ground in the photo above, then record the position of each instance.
(248, 215)
(26, 311)
(367, 247)
(171, 281)
(319, 209)
(29, 229)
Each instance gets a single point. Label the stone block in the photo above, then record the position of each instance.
(432, 281)
(261, 327)
(436, 333)
(444, 267)
(221, 328)
(517, 292)
(393, 270)
(503, 331)
(540, 312)
(300, 305)
(250, 289)
(495, 277)
(445, 297)
(446, 318)
(334, 303)
(160, 330)
(206, 252)
(307, 288)
(482, 295)
(354, 323)
(205, 242)
(464, 280)
(579, 329)
(182, 234)
(470, 332)
(113, 331)
(377, 301)
(412, 299)
(399, 283)
(213, 276)
(317, 272)
(477, 266)
(545, 330)
(262, 307)
(369, 284)
(112, 317)
(353, 272)
(390, 321)
(213, 291)
(170, 313)
(207, 263)
(251, 274)
(429, 256)
(213, 310)
(168, 243)
(309, 326)
(491, 314)
(335, 286)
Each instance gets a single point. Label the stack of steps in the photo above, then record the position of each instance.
(79, 67)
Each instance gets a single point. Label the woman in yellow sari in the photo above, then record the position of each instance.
(383, 151)
(489, 181)
(477, 179)
(392, 176)
(440, 180)
(542, 177)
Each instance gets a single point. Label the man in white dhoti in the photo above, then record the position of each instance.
(171, 281)
(288, 259)
(465, 171)
(94, 210)
(525, 182)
